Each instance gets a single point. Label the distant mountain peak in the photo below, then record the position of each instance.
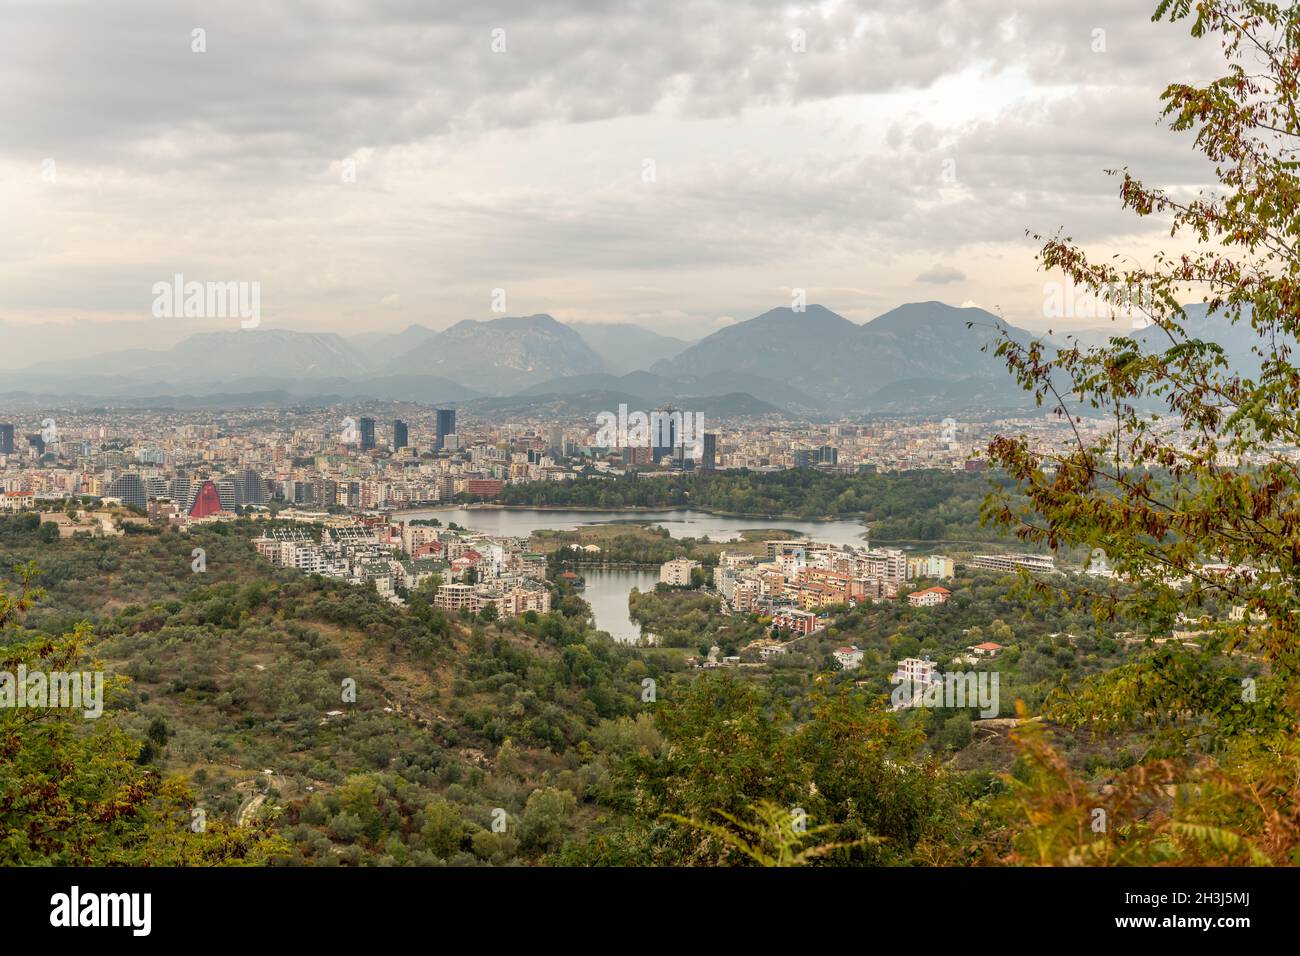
(845, 365)
(811, 313)
(539, 320)
(502, 354)
(932, 309)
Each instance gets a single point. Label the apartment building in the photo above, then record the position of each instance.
(936, 567)
(888, 564)
(797, 620)
(509, 602)
(456, 597)
(724, 581)
(746, 595)
(1033, 563)
(916, 671)
(677, 573)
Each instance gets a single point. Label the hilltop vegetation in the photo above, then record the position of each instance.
(312, 722)
(247, 668)
(919, 505)
(642, 544)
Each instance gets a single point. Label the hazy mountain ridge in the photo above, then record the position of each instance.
(844, 366)
(219, 356)
(625, 347)
(919, 358)
(684, 392)
(384, 348)
(505, 354)
(1236, 339)
(589, 402)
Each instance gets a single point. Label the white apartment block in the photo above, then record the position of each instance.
(677, 572)
(1034, 563)
(888, 564)
(724, 580)
(915, 670)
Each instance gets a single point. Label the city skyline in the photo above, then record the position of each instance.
(599, 435)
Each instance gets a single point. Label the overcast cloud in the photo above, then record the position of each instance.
(678, 164)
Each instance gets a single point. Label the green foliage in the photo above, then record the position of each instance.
(922, 505)
(777, 838)
(1193, 494)
(679, 618)
(729, 745)
(75, 795)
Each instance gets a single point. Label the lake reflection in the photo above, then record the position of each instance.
(607, 590)
(684, 523)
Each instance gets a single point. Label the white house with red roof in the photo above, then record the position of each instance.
(17, 500)
(929, 597)
(849, 657)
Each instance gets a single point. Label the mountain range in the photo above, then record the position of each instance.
(846, 367)
(920, 358)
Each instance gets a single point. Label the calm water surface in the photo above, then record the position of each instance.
(607, 590)
(522, 522)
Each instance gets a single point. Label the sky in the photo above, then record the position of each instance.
(682, 165)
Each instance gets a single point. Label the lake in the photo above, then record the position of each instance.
(683, 523)
(607, 589)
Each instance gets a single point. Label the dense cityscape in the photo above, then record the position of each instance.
(563, 446)
(190, 466)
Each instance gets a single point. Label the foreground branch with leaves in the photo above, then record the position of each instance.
(1194, 494)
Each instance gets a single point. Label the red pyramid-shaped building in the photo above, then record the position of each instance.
(207, 502)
